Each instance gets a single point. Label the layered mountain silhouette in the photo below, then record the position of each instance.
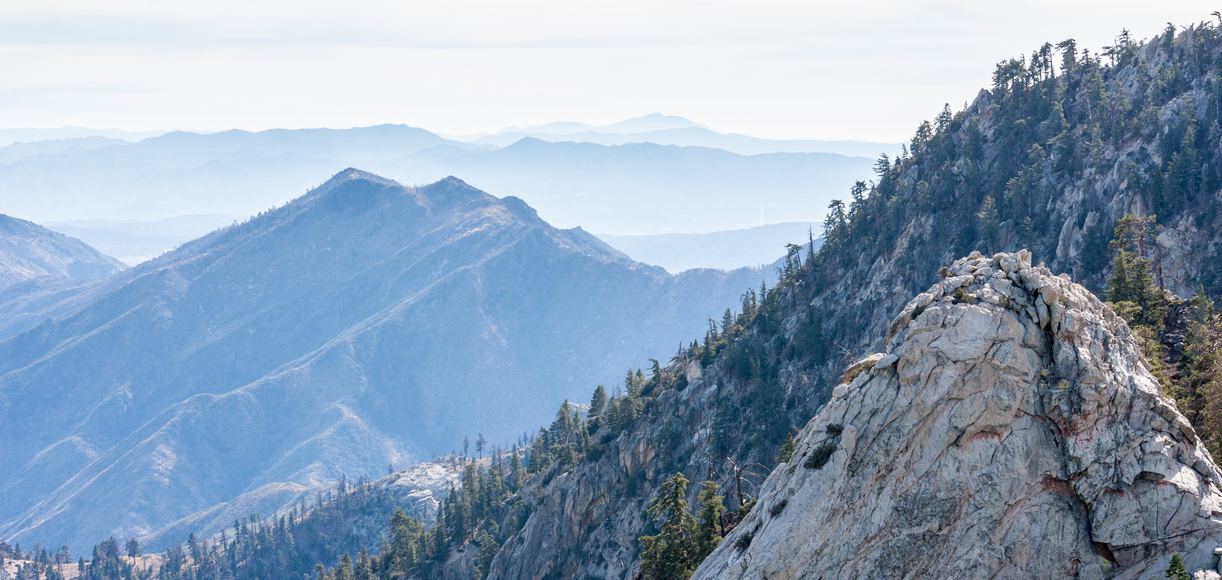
(646, 187)
(626, 188)
(674, 130)
(184, 173)
(363, 324)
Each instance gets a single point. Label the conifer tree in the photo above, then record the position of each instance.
(345, 572)
(672, 552)
(487, 551)
(1132, 286)
(133, 548)
(516, 475)
(787, 448)
(986, 222)
(1176, 569)
(709, 531)
(598, 402)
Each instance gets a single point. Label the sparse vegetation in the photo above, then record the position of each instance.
(1176, 569)
(744, 541)
(820, 456)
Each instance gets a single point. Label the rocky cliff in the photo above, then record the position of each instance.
(1011, 429)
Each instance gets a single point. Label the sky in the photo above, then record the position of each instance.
(865, 69)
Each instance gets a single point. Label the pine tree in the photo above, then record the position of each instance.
(986, 223)
(133, 548)
(709, 531)
(835, 225)
(405, 533)
(487, 551)
(516, 475)
(1183, 173)
(598, 402)
(787, 448)
(344, 571)
(672, 552)
(1176, 569)
(1069, 55)
(1131, 287)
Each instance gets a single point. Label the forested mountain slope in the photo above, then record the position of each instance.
(1050, 158)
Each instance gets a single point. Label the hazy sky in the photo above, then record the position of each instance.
(806, 68)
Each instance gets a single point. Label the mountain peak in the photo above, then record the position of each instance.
(350, 174)
(650, 122)
(1012, 408)
(450, 183)
(367, 322)
(450, 190)
(662, 117)
(354, 174)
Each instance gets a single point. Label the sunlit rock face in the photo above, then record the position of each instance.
(1011, 429)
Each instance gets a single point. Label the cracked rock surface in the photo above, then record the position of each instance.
(1011, 429)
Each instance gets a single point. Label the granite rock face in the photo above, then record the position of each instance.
(1011, 429)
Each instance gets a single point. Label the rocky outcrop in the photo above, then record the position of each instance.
(1011, 429)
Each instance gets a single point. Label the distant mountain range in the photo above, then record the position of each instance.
(233, 172)
(722, 250)
(644, 187)
(647, 175)
(650, 122)
(19, 151)
(671, 130)
(29, 135)
(364, 324)
(29, 251)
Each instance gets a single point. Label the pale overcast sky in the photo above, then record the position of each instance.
(808, 68)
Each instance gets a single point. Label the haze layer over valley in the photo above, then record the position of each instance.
(137, 199)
